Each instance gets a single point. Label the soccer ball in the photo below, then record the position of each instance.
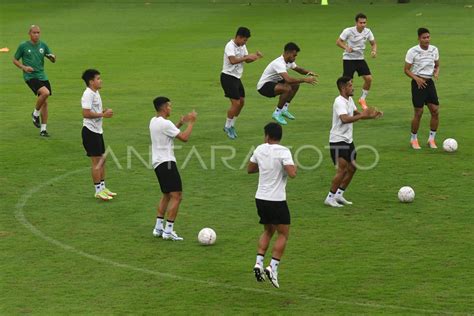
(406, 194)
(207, 236)
(450, 145)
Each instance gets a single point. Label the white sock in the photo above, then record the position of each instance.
(432, 135)
(339, 192)
(36, 112)
(414, 136)
(259, 260)
(102, 184)
(286, 106)
(232, 121)
(277, 111)
(365, 93)
(274, 264)
(43, 127)
(228, 123)
(169, 227)
(330, 195)
(159, 223)
(97, 187)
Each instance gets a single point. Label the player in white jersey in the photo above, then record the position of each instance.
(341, 144)
(235, 54)
(276, 81)
(274, 164)
(92, 133)
(162, 133)
(421, 65)
(352, 41)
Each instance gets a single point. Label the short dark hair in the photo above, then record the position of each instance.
(89, 75)
(273, 131)
(422, 30)
(159, 102)
(360, 16)
(243, 31)
(291, 47)
(342, 81)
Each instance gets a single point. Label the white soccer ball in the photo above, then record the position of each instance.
(450, 145)
(207, 236)
(406, 194)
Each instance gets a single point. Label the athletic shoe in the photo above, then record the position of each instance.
(272, 276)
(228, 131)
(279, 118)
(332, 202)
(343, 201)
(103, 196)
(44, 133)
(287, 114)
(259, 274)
(36, 120)
(414, 144)
(363, 103)
(432, 143)
(233, 131)
(171, 236)
(157, 232)
(108, 192)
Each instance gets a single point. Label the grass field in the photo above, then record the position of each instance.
(63, 252)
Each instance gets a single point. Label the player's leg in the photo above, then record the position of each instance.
(346, 180)
(364, 71)
(232, 114)
(418, 98)
(175, 189)
(285, 111)
(433, 106)
(279, 246)
(160, 214)
(284, 91)
(97, 172)
(42, 106)
(337, 151)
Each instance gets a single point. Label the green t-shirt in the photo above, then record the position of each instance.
(33, 56)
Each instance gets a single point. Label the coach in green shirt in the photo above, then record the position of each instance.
(32, 55)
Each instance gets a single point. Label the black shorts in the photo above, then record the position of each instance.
(268, 89)
(351, 66)
(36, 84)
(420, 97)
(168, 177)
(93, 143)
(233, 87)
(273, 212)
(342, 150)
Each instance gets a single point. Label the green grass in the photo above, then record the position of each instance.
(63, 252)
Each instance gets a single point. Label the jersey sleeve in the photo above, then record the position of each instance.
(371, 36)
(246, 52)
(171, 130)
(279, 67)
(229, 50)
(293, 65)
(286, 158)
(344, 35)
(436, 54)
(46, 49)
(253, 158)
(86, 101)
(410, 57)
(19, 52)
(340, 108)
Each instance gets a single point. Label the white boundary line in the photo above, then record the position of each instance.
(20, 216)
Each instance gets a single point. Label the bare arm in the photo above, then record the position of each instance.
(304, 71)
(436, 70)
(369, 113)
(252, 167)
(87, 113)
(290, 170)
(189, 118)
(373, 53)
(419, 81)
(247, 58)
(343, 45)
(51, 57)
(20, 65)
(291, 80)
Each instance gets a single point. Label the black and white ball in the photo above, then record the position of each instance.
(406, 194)
(450, 145)
(207, 236)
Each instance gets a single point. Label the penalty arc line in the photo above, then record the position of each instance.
(20, 216)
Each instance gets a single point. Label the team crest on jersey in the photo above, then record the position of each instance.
(41, 50)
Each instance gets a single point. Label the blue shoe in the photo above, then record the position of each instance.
(287, 114)
(233, 132)
(279, 118)
(229, 132)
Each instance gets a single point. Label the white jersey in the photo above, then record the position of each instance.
(271, 159)
(422, 61)
(341, 132)
(356, 41)
(162, 132)
(273, 71)
(231, 49)
(91, 101)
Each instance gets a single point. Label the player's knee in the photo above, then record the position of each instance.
(44, 92)
(177, 196)
(368, 79)
(286, 88)
(295, 87)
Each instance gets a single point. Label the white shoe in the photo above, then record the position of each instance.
(171, 236)
(157, 232)
(259, 274)
(272, 276)
(343, 201)
(332, 202)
